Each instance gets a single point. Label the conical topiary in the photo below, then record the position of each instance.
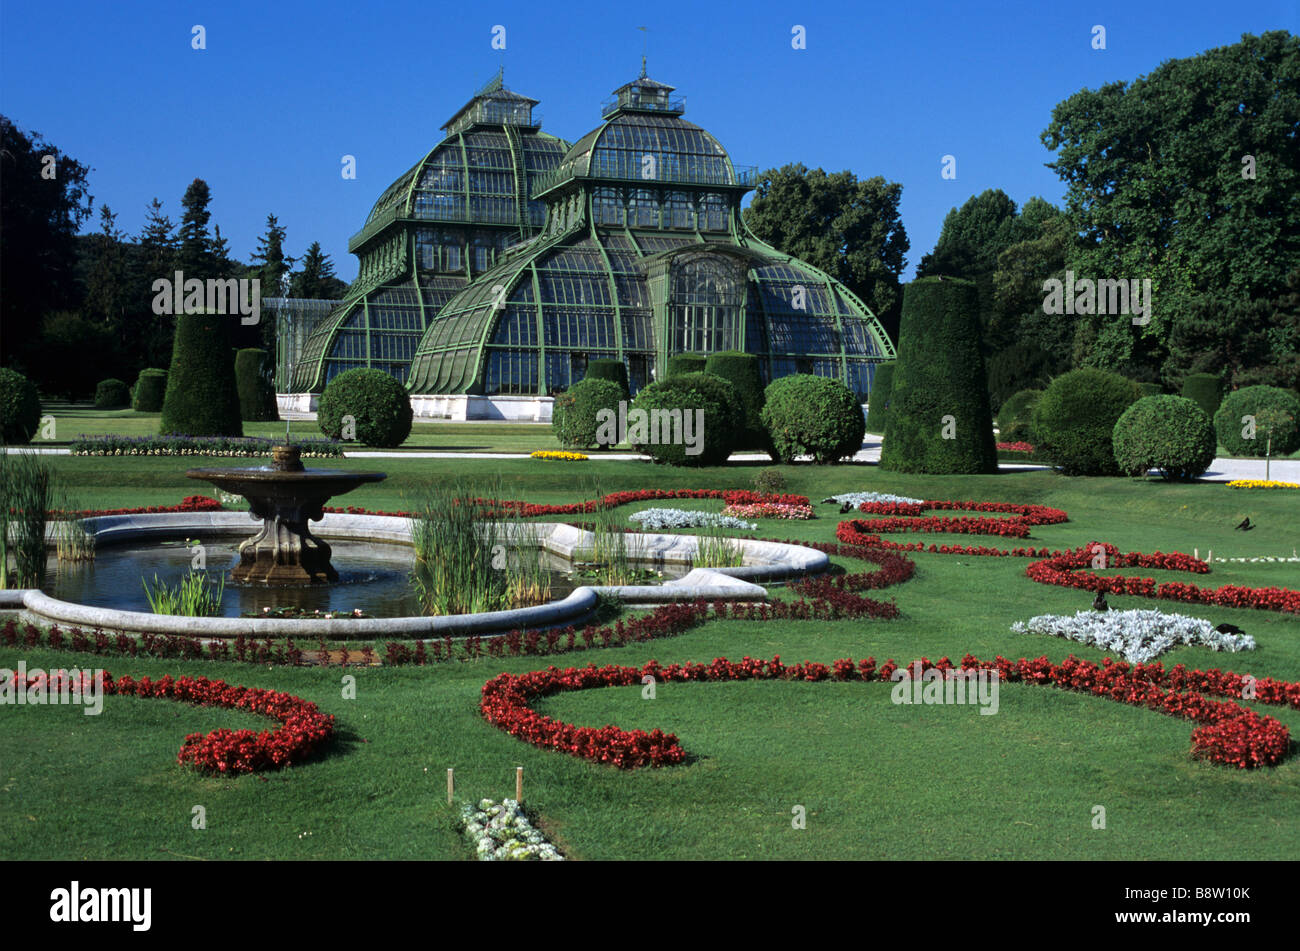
(939, 417)
(201, 397)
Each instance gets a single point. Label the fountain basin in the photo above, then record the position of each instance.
(285, 496)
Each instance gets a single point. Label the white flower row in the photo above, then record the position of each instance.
(499, 831)
(681, 518)
(857, 498)
(1138, 636)
(1259, 558)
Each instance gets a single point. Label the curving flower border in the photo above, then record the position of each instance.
(303, 727)
(1228, 733)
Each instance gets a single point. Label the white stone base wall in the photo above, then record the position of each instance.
(459, 408)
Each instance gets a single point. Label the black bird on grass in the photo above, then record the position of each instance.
(1226, 628)
(1099, 603)
(1245, 525)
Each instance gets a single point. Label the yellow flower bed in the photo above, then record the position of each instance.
(556, 454)
(1261, 484)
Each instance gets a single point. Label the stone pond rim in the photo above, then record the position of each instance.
(285, 496)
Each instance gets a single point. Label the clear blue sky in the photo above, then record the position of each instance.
(285, 89)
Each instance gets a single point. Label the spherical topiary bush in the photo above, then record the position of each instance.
(940, 420)
(741, 369)
(1016, 416)
(613, 370)
(576, 414)
(663, 422)
(253, 381)
(1074, 420)
(1169, 433)
(111, 394)
(201, 399)
(376, 402)
(813, 415)
(680, 363)
(1205, 390)
(20, 408)
(1268, 409)
(150, 388)
(878, 398)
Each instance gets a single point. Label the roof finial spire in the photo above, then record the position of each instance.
(643, 67)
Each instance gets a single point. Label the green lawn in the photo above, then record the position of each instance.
(877, 780)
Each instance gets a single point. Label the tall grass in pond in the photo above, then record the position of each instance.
(71, 540)
(25, 494)
(609, 550)
(716, 550)
(194, 596)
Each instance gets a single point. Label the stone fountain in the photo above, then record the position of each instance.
(285, 496)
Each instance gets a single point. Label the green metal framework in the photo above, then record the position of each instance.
(446, 221)
(644, 254)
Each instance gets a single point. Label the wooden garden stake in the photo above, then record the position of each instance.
(451, 785)
(519, 784)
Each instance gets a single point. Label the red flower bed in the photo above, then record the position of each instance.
(1228, 733)
(911, 519)
(191, 503)
(612, 500)
(303, 728)
(1015, 447)
(1063, 569)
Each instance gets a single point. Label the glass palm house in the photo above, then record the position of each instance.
(501, 263)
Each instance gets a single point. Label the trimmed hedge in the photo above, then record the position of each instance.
(681, 363)
(1255, 401)
(253, 381)
(1074, 420)
(1169, 433)
(1151, 389)
(201, 399)
(742, 370)
(813, 415)
(715, 439)
(112, 394)
(575, 413)
(939, 415)
(613, 370)
(1015, 418)
(878, 399)
(377, 403)
(1205, 390)
(150, 389)
(20, 407)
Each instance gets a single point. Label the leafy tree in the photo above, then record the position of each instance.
(972, 237)
(155, 254)
(107, 286)
(1160, 186)
(39, 220)
(848, 228)
(316, 278)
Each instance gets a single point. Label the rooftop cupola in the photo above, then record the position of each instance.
(643, 94)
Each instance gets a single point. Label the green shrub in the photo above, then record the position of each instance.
(939, 417)
(769, 481)
(253, 381)
(1169, 433)
(1260, 402)
(111, 394)
(20, 407)
(1151, 389)
(613, 370)
(1018, 366)
(878, 399)
(201, 399)
(680, 363)
(150, 388)
(741, 369)
(1205, 390)
(813, 415)
(712, 442)
(377, 403)
(1015, 418)
(575, 413)
(1074, 420)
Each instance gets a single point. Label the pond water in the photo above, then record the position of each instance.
(372, 577)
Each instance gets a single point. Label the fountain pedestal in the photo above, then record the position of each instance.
(286, 497)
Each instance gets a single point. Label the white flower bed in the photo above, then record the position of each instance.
(1137, 636)
(681, 518)
(857, 498)
(499, 831)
